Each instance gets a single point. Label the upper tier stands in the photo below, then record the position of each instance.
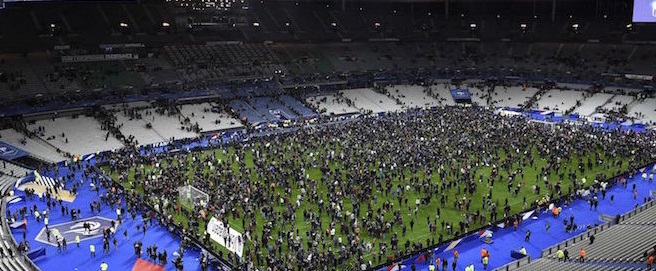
(75, 135)
(216, 61)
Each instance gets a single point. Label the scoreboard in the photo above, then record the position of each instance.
(644, 11)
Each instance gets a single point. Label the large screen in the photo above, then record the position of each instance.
(644, 11)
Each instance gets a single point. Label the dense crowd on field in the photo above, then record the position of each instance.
(378, 175)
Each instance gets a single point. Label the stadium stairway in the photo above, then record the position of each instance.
(549, 264)
(17, 262)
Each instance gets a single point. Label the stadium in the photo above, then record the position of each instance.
(377, 135)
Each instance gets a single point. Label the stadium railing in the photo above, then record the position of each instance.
(578, 238)
(25, 264)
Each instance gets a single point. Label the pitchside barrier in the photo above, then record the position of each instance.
(409, 259)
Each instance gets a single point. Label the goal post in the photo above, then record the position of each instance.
(192, 197)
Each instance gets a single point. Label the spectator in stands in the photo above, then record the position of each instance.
(650, 261)
(582, 255)
(560, 254)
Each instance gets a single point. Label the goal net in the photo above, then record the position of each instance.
(192, 196)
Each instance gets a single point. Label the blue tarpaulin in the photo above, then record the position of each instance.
(9, 152)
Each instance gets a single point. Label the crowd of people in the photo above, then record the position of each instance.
(356, 194)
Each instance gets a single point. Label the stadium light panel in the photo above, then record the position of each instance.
(123, 25)
(472, 26)
(256, 24)
(166, 24)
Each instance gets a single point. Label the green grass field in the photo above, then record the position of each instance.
(420, 232)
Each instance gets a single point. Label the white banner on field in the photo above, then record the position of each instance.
(227, 237)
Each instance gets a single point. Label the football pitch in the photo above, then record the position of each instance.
(410, 220)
